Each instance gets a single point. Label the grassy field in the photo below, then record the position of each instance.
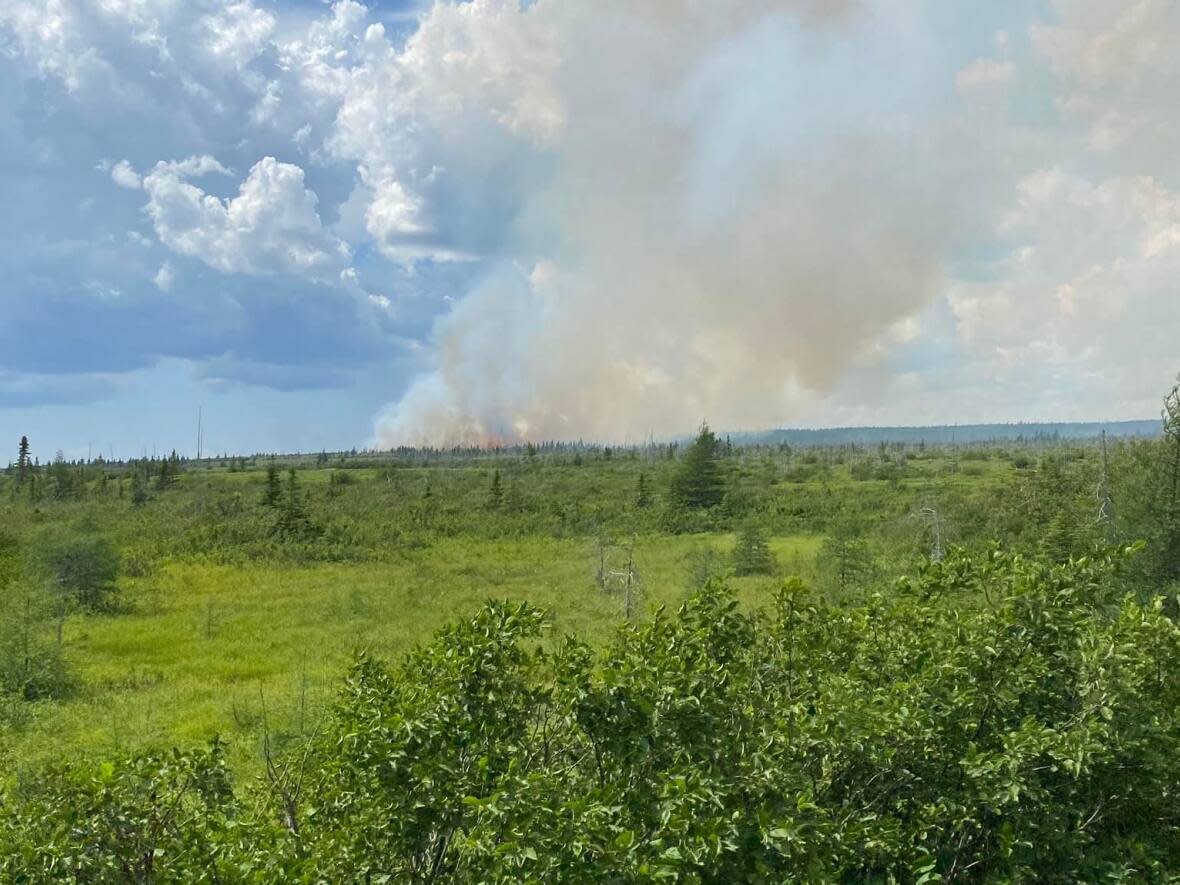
(225, 626)
(209, 649)
(147, 608)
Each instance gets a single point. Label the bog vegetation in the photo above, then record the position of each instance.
(696, 662)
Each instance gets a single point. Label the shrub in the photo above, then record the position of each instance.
(84, 570)
(159, 817)
(990, 719)
(31, 668)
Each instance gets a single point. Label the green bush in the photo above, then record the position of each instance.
(159, 817)
(32, 668)
(990, 719)
(83, 569)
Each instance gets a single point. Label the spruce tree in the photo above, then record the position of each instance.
(1168, 547)
(1062, 537)
(752, 554)
(699, 483)
(64, 481)
(273, 493)
(642, 492)
(169, 468)
(292, 500)
(293, 521)
(139, 495)
(845, 555)
(496, 492)
(23, 464)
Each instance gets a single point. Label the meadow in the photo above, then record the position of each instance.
(220, 616)
(240, 591)
(208, 649)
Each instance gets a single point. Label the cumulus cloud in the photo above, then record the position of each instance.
(1089, 294)
(124, 175)
(49, 35)
(1120, 67)
(271, 226)
(238, 32)
(625, 217)
(193, 64)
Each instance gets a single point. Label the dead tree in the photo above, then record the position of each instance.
(285, 778)
(1105, 496)
(937, 549)
(618, 575)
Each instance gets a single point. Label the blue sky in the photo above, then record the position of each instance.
(330, 225)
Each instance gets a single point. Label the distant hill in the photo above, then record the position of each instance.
(948, 434)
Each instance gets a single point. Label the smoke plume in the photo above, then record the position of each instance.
(690, 210)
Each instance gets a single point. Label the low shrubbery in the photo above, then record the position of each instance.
(991, 719)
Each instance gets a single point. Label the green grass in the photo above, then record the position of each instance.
(223, 618)
(208, 649)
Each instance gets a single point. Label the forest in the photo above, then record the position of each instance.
(710, 661)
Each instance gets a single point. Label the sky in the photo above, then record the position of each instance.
(336, 225)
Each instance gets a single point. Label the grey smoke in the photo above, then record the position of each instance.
(715, 219)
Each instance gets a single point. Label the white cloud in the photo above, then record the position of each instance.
(449, 119)
(271, 226)
(48, 34)
(321, 57)
(985, 73)
(124, 175)
(1121, 71)
(164, 277)
(197, 64)
(665, 209)
(238, 32)
(1090, 294)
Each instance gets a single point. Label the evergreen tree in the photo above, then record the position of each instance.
(1168, 545)
(752, 554)
(1063, 536)
(642, 492)
(293, 521)
(698, 483)
(64, 485)
(273, 493)
(23, 465)
(292, 500)
(139, 493)
(845, 556)
(496, 492)
(169, 469)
